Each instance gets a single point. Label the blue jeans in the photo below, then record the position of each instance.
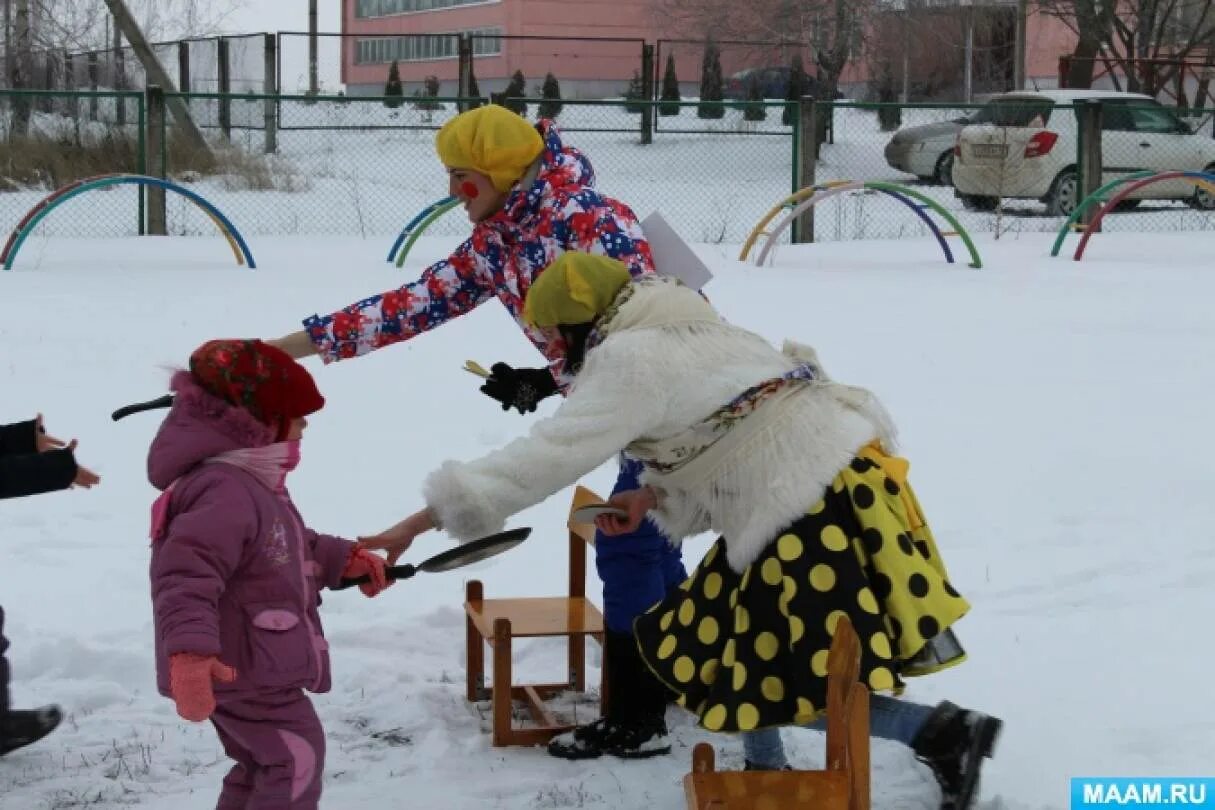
(638, 569)
(889, 718)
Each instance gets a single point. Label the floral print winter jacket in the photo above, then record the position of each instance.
(560, 211)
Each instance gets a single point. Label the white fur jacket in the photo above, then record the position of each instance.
(668, 362)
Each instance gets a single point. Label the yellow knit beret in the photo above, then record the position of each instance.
(491, 140)
(576, 288)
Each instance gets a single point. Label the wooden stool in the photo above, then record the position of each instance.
(843, 785)
(499, 621)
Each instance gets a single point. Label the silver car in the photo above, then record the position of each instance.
(926, 150)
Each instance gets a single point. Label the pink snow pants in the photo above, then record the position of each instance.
(279, 748)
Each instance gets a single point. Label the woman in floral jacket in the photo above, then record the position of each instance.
(531, 198)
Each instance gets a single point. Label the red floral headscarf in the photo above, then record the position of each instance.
(264, 380)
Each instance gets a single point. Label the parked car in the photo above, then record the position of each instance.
(1023, 146)
(773, 83)
(926, 150)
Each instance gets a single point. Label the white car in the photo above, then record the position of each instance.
(926, 150)
(1023, 146)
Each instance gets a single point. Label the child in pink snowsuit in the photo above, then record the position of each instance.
(235, 572)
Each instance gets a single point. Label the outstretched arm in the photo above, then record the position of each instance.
(35, 473)
(620, 395)
(397, 540)
(444, 291)
(296, 344)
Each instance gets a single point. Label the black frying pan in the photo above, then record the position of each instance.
(461, 555)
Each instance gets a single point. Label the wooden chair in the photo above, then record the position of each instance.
(843, 785)
(499, 621)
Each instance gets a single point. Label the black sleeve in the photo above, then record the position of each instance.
(33, 473)
(19, 437)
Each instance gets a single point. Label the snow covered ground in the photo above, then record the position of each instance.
(1056, 415)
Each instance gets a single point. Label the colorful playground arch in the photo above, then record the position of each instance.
(1130, 183)
(61, 195)
(804, 198)
(410, 233)
(792, 199)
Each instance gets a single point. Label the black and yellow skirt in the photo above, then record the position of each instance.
(747, 651)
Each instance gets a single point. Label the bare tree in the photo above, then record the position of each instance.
(1092, 22)
(1159, 29)
(834, 29)
(924, 46)
(1145, 39)
(80, 25)
(20, 67)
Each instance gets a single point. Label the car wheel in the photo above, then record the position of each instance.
(1203, 199)
(973, 202)
(1064, 194)
(943, 175)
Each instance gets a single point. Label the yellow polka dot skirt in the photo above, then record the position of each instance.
(749, 650)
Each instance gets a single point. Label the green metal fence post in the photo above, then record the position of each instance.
(141, 156)
(795, 231)
(157, 215)
(807, 158)
(269, 72)
(647, 93)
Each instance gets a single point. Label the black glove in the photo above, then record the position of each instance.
(519, 387)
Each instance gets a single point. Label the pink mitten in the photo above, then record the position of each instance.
(190, 677)
(362, 561)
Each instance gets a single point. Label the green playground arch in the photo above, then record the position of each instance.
(1103, 195)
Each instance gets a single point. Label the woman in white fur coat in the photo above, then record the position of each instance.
(816, 519)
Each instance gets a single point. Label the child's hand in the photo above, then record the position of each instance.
(84, 476)
(397, 540)
(190, 677)
(637, 502)
(362, 562)
(44, 441)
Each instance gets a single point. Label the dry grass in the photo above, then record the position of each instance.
(49, 162)
(52, 162)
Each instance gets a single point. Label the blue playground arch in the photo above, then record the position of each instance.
(239, 248)
(413, 223)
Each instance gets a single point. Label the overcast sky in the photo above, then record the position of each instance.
(257, 16)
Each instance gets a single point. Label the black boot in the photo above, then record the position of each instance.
(953, 742)
(748, 765)
(635, 726)
(20, 728)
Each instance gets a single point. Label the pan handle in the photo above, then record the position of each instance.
(394, 573)
(160, 402)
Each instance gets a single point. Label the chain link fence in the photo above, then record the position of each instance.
(748, 68)
(229, 64)
(358, 166)
(48, 140)
(1140, 138)
(1011, 165)
(589, 68)
(366, 166)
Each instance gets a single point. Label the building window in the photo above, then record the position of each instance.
(382, 8)
(425, 47)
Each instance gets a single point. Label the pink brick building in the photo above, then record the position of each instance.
(570, 38)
